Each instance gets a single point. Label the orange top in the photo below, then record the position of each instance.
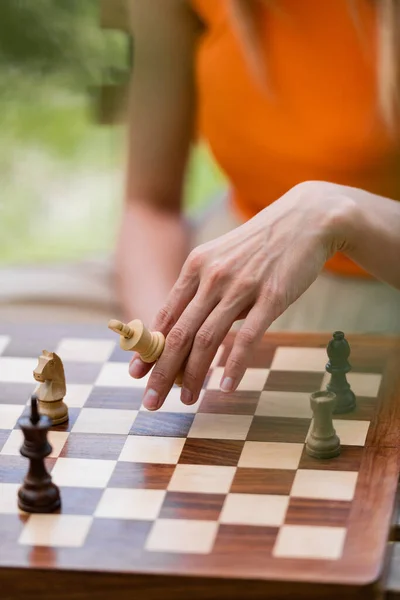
(321, 121)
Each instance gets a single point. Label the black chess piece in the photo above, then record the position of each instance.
(338, 366)
(38, 494)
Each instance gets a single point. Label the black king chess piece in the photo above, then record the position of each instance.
(338, 366)
(38, 494)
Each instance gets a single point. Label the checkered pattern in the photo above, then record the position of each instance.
(230, 471)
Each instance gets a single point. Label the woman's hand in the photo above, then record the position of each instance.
(253, 273)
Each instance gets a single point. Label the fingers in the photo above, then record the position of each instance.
(208, 339)
(249, 335)
(138, 368)
(177, 348)
(180, 296)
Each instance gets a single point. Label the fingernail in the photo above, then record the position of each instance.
(151, 399)
(136, 368)
(227, 384)
(186, 396)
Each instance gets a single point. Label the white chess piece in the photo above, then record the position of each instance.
(322, 441)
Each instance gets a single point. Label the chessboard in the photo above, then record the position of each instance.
(214, 500)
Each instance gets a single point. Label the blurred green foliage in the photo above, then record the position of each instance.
(53, 36)
(61, 173)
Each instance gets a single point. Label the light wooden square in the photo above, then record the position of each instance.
(205, 479)
(116, 374)
(362, 384)
(121, 503)
(17, 370)
(182, 536)
(9, 415)
(85, 350)
(4, 340)
(104, 420)
(221, 427)
(284, 404)
(9, 498)
(68, 531)
(252, 381)
(299, 359)
(15, 440)
(255, 509)
(82, 472)
(77, 394)
(324, 485)
(313, 542)
(270, 455)
(147, 449)
(351, 432)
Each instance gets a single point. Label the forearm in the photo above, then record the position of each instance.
(371, 234)
(151, 249)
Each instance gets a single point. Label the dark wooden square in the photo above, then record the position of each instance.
(79, 500)
(113, 543)
(81, 372)
(250, 541)
(120, 355)
(115, 397)
(365, 410)
(93, 445)
(4, 435)
(13, 468)
(278, 429)
(31, 347)
(349, 459)
(195, 506)
(262, 481)
(199, 451)
(73, 414)
(238, 403)
(162, 424)
(16, 393)
(141, 476)
(294, 381)
(11, 527)
(315, 512)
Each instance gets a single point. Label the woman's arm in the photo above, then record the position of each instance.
(257, 271)
(370, 227)
(153, 237)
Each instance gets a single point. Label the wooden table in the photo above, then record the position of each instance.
(232, 470)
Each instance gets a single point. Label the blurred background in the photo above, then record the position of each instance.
(64, 71)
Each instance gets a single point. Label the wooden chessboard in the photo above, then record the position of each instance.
(216, 500)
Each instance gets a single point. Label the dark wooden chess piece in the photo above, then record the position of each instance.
(38, 494)
(338, 366)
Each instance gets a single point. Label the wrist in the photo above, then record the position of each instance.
(337, 212)
(344, 219)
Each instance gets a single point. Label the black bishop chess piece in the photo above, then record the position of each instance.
(338, 366)
(38, 494)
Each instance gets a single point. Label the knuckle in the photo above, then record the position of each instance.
(216, 272)
(159, 378)
(190, 378)
(245, 286)
(246, 337)
(165, 319)
(234, 364)
(205, 339)
(178, 338)
(195, 260)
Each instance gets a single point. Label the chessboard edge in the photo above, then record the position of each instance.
(17, 582)
(384, 430)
